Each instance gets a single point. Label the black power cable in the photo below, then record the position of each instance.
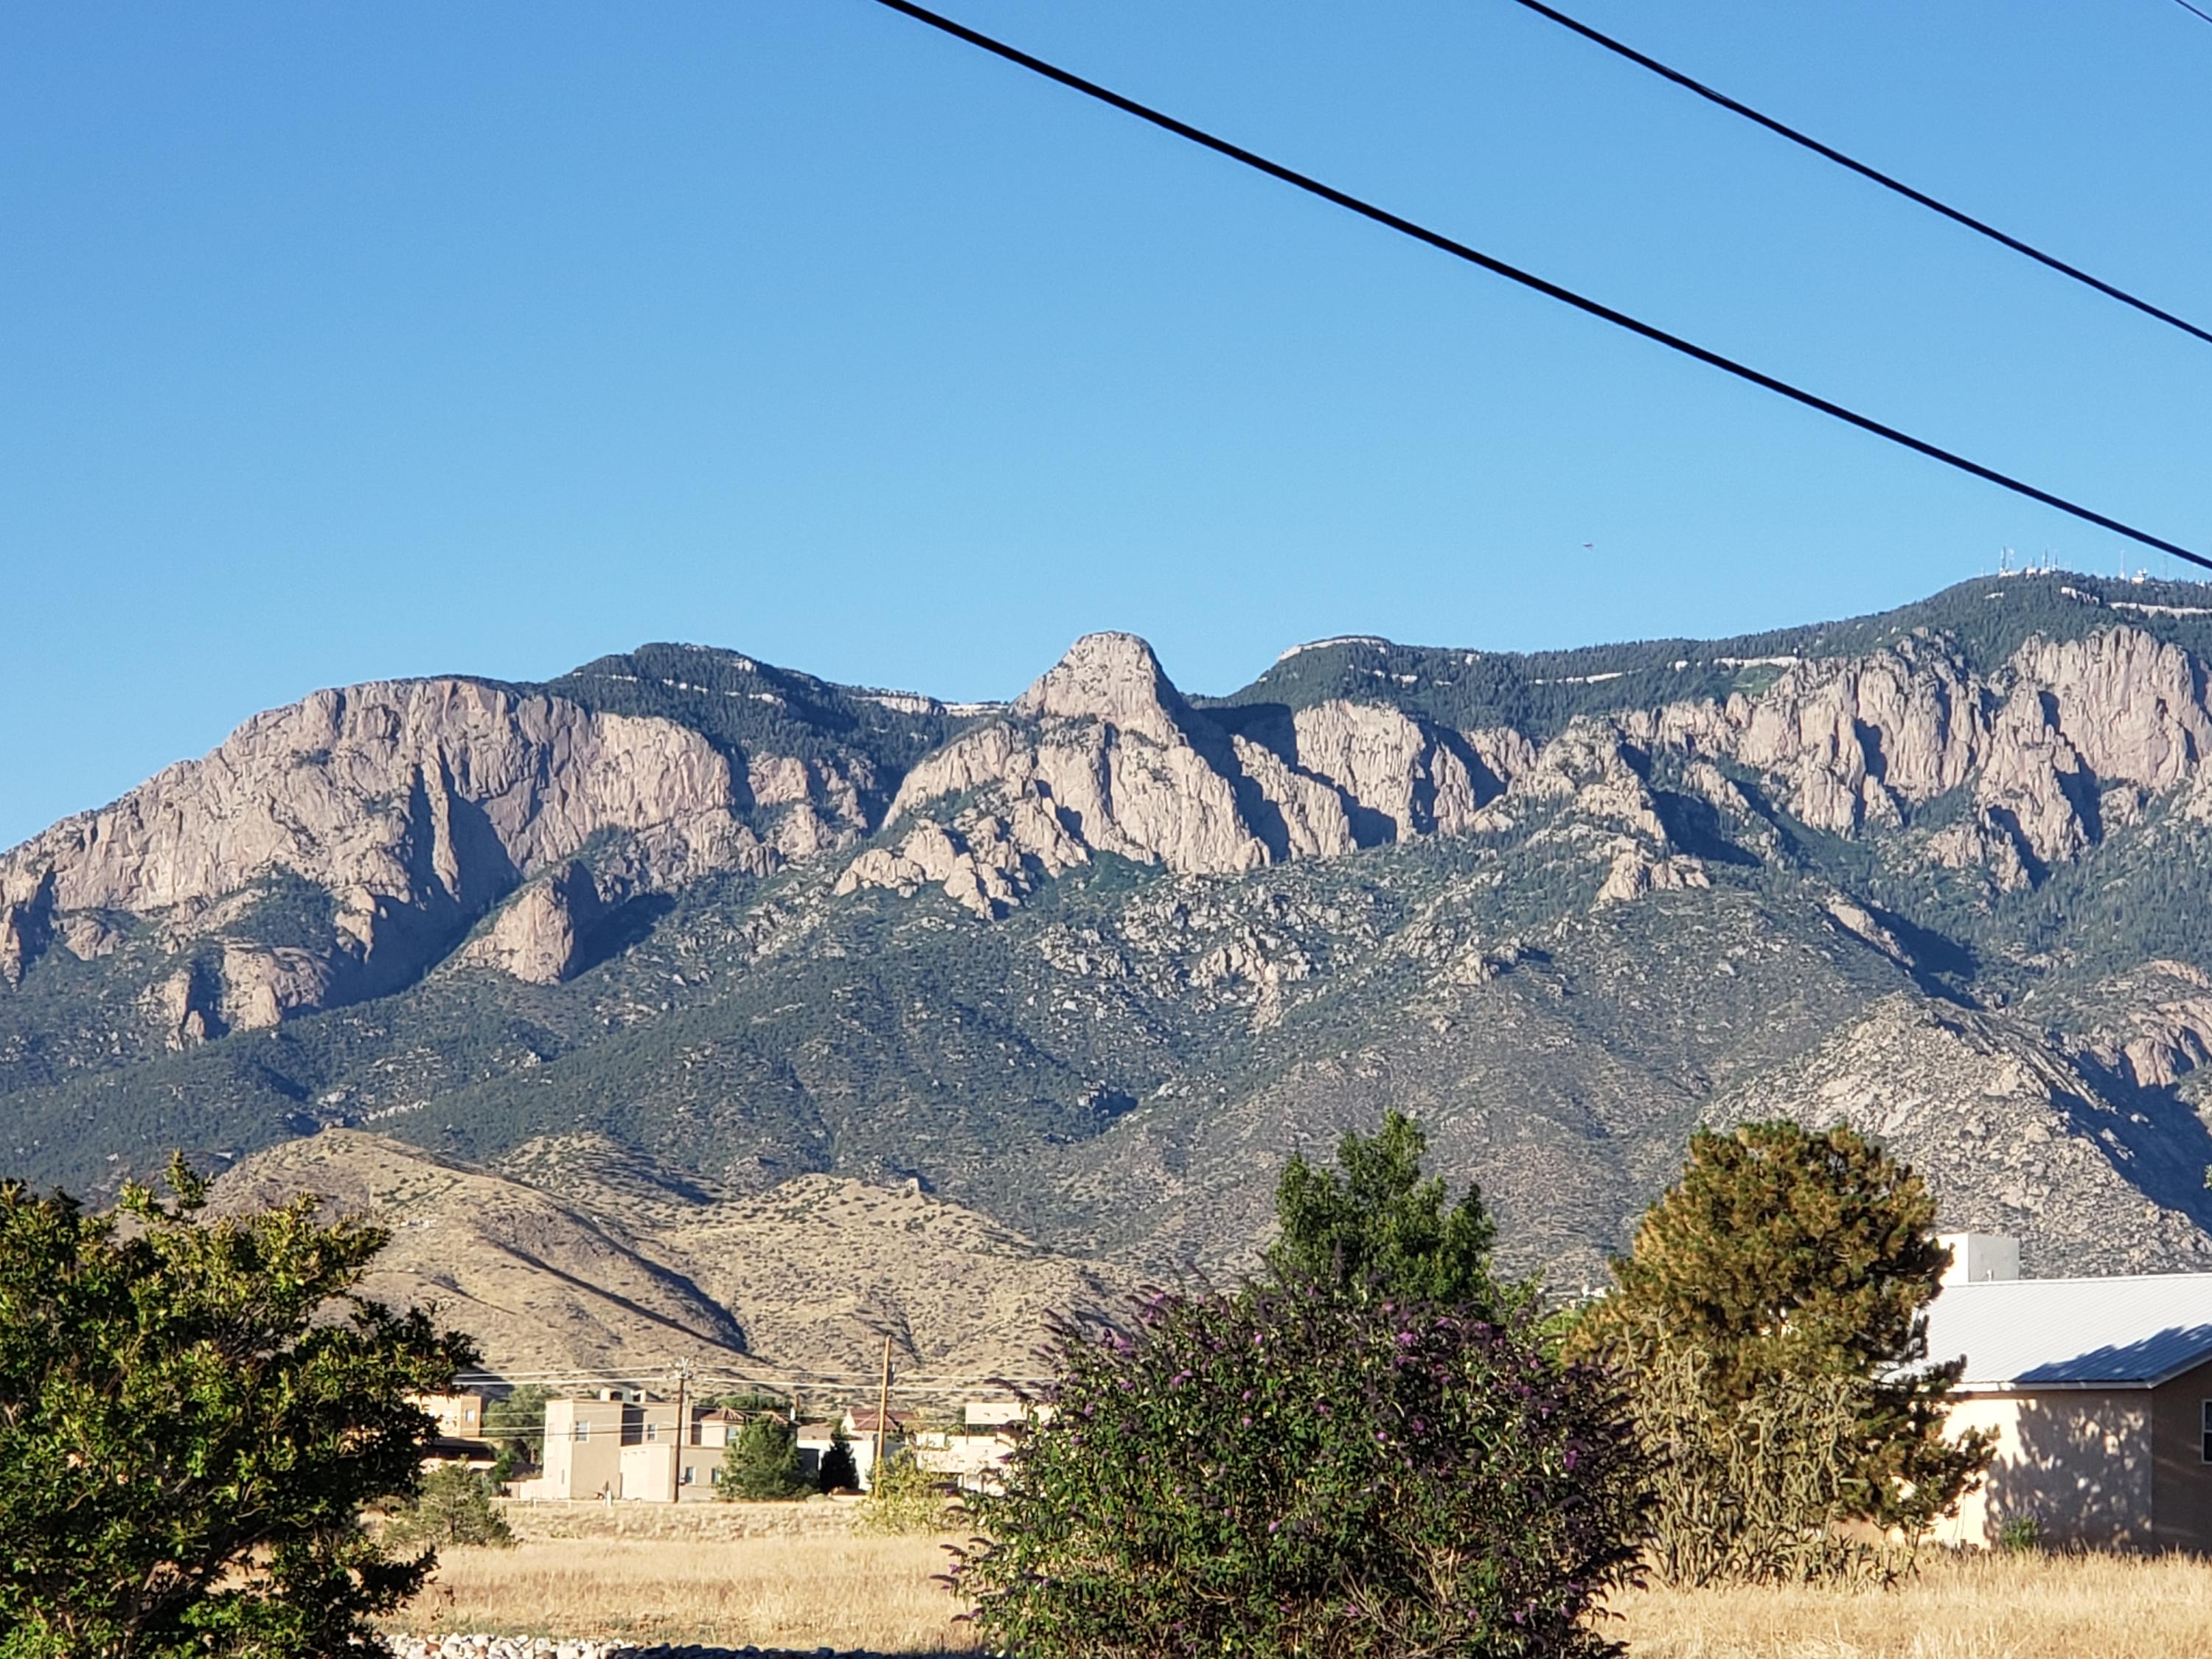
(2193, 11)
(1551, 290)
(1829, 153)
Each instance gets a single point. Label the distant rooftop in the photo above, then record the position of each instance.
(2133, 1332)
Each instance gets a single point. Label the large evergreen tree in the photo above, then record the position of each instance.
(1375, 1227)
(762, 1462)
(1783, 1255)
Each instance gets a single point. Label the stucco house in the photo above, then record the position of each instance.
(2100, 1391)
(624, 1446)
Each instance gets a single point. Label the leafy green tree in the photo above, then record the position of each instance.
(1784, 1253)
(515, 1425)
(455, 1506)
(193, 1413)
(839, 1472)
(1283, 1472)
(1376, 1228)
(762, 1462)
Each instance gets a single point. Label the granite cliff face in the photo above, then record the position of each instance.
(1088, 963)
(413, 806)
(1102, 754)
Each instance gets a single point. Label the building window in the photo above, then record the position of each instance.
(688, 1472)
(2205, 1423)
(584, 1431)
(652, 1431)
(714, 1477)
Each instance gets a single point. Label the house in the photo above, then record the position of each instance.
(2100, 1392)
(459, 1416)
(459, 1435)
(625, 1445)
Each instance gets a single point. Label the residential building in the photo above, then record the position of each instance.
(2100, 1394)
(459, 1416)
(625, 1446)
(459, 1435)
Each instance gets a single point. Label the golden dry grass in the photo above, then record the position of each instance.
(2001, 1607)
(875, 1593)
(804, 1592)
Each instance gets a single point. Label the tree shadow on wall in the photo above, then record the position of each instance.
(2077, 1466)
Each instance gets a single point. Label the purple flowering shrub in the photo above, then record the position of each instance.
(1277, 1472)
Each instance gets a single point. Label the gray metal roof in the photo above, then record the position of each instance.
(2127, 1333)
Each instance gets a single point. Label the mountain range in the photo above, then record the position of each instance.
(689, 1003)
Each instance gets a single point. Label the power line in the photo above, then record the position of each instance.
(1551, 290)
(1827, 152)
(2193, 11)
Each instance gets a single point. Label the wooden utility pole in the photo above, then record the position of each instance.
(682, 1435)
(883, 1415)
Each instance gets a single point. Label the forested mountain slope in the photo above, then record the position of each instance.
(1091, 962)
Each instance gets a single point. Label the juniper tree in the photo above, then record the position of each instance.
(1377, 1227)
(839, 1471)
(762, 1462)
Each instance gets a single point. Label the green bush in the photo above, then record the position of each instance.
(455, 1506)
(903, 1496)
(1375, 1227)
(1277, 1472)
(193, 1414)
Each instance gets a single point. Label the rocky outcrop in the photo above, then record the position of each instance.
(187, 1006)
(1102, 755)
(411, 790)
(537, 935)
(262, 984)
(416, 804)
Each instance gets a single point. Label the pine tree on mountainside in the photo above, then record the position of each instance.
(1374, 1228)
(1783, 1255)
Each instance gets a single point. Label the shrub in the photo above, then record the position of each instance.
(455, 1506)
(903, 1496)
(193, 1414)
(762, 1462)
(1757, 1490)
(1277, 1472)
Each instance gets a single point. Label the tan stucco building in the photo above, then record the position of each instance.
(624, 1446)
(2100, 1393)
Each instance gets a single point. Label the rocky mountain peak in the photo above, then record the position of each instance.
(1114, 677)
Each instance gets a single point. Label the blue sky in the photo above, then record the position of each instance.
(343, 340)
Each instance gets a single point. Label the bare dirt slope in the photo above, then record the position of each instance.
(612, 1268)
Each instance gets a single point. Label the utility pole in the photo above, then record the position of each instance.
(683, 1436)
(883, 1414)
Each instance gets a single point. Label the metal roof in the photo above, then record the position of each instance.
(2026, 1333)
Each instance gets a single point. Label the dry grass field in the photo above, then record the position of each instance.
(855, 1592)
(800, 1592)
(2004, 1607)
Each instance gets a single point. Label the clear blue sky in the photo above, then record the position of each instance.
(348, 341)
